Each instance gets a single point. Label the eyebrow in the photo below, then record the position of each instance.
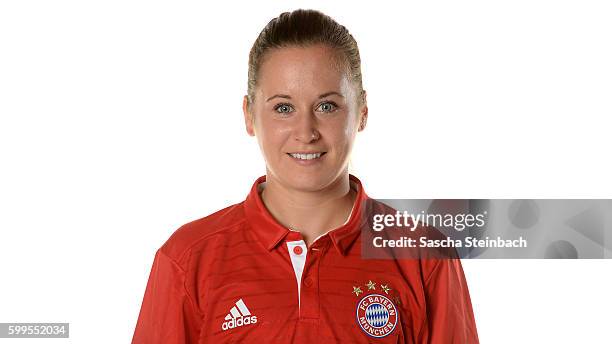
(321, 96)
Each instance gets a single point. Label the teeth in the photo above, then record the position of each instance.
(306, 156)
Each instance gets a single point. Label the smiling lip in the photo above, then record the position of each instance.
(306, 158)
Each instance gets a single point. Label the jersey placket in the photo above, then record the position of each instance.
(305, 263)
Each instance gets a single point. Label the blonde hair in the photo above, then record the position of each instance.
(305, 28)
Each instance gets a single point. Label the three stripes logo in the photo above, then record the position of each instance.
(238, 316)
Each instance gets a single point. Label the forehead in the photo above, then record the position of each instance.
(302, 70)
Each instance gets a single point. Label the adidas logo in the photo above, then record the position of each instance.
(238, 316)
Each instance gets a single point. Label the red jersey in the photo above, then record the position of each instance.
(239, 276)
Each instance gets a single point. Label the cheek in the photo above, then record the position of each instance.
(271, 134)
(343, 135)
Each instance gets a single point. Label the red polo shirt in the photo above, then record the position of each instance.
(238, 276)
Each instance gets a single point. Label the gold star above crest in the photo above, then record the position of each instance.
(357, 290)
(371, 285)
(385, 288)
(397, 300)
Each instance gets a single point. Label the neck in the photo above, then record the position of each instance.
(312, 213)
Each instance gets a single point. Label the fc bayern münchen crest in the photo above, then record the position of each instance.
(376, 315)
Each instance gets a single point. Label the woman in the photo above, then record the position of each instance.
(284, 266)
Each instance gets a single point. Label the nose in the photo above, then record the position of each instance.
(306, 129)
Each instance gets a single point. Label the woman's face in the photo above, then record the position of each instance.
(305, 115)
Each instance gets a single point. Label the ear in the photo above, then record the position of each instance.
(248, 118)
(363, 112)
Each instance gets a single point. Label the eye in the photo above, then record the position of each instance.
(327, 107)
(283, 108)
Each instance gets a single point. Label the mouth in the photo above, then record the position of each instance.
(307, 156)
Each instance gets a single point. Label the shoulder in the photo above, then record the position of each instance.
(201, 231)
(425, 258)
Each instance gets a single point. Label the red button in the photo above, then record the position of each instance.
(298, 250)
(308, 281)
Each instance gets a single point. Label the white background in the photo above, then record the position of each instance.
(121, 121)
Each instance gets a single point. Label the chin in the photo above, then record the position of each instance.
(307, 181)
